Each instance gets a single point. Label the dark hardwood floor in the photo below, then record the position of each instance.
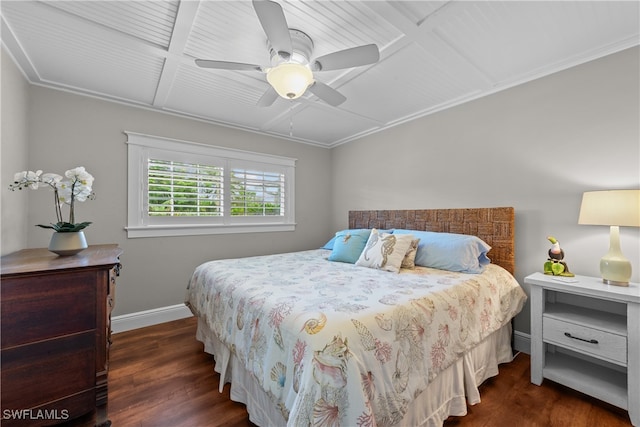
(160, 377)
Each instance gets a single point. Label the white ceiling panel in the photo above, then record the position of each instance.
(549, 33)
(412, 81)
(228, 31)
(151, 21)
(320, 124)
(230, 98)
(433, 54)
(337, 25)
(418, 11)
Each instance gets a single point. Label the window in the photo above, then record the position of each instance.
(184, 188)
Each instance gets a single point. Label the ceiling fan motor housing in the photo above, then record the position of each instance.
(302, 47)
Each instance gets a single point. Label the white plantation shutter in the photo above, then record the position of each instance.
(183, 188)
(257, 193)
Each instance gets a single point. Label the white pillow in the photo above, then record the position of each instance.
(409, 260)
(385, 251)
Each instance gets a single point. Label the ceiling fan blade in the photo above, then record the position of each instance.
(268, 98)
(225, 65)
(327, 93)
(274, 25)
(352, 57)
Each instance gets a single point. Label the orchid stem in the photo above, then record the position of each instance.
(57, 204)
(72, 218)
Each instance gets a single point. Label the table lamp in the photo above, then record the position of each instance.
(614, 208)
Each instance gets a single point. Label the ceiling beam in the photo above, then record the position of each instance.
(187, 11)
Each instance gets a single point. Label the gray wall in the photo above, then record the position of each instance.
(536, 147)
(13, 155)
(67, 130)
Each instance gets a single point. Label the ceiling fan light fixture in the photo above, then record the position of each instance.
(290, 80)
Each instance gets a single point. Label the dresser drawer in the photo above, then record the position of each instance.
(37, 373)
(594, 342)
(46, 306)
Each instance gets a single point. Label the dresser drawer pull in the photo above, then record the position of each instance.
(592, 341)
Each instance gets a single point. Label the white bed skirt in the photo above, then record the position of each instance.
(447, 395)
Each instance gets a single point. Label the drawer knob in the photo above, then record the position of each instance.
(591, 341)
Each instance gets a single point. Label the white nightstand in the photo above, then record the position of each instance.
(586, 335)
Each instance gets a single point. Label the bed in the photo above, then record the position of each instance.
(308, 341)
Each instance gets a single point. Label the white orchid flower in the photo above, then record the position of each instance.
(25, 179)
(80, 192)
(64, 192)
(83, 194)
(50, 179)
(80, 175)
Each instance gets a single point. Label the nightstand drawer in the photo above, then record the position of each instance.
(597, 343)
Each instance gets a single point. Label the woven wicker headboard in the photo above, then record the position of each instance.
(496, 226)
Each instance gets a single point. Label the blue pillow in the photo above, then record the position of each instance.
(450, 251)
(348, 245)
(329, 244)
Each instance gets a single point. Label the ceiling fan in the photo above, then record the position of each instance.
(290, 73)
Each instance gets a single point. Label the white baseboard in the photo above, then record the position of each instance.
(140, 319)
(522, 342)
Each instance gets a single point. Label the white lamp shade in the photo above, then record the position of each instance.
(611, 207)
(289, 79)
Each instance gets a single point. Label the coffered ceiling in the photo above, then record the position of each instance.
(433, 55)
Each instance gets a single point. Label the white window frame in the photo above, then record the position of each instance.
(142, 147)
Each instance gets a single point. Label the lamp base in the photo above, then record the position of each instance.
(615, 271)
(614, 283)
(614, 267)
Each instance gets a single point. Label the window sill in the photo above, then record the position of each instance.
(196, 230)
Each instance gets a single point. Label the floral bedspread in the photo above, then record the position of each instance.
(334, 344)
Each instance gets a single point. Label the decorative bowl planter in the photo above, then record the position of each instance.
(67, 243)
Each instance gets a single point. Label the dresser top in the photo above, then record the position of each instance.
(40, 259)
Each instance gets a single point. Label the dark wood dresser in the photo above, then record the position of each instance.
(55, 315)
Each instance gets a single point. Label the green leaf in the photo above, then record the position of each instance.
(46, 226)
(66, 227)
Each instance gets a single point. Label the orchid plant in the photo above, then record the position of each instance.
(75, 188)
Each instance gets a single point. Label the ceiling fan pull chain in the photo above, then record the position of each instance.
(291, 118)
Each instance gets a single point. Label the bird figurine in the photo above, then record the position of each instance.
(556, 251)
(555, 264)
